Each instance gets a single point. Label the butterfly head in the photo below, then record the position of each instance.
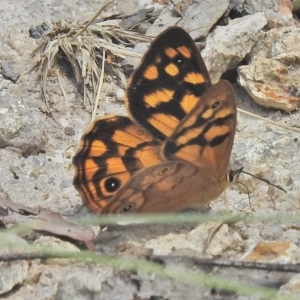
(233, 175)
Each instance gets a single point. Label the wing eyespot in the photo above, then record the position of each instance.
(127, 208)
(112, 184)
(216, 104)
(164, 171)
(178, 59)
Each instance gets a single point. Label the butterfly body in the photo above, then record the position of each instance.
(174, 151)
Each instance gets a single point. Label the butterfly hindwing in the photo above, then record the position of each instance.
(167, 84)
(110, 152)
(169, 186)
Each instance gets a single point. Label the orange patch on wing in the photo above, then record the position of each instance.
(144, 135)
(151, 72)
(163, 123)
(207, 113)
(186, 52)
(90, 168)
(215, 131)
(131, 136)
(122, 150)
(171, 52)
(188, 102)
(194, 78)
(189, 153)
(189, 135)
(223, 113)
(115, 165)
(159, 96)
(127, 139)
(91, 187)
(189, 122)
(172, 69)
(149, 157)
(97, 148)
(100, 205)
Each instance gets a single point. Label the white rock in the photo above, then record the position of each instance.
(55, 243)
(12, 274)
(120, 94)
(196, 240)
(272, 77)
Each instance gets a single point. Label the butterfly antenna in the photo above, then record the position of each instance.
(264, 180)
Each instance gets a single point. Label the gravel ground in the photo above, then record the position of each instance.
(36, 169)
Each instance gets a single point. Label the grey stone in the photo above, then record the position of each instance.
(201, 16)
(278, 12)
(228, 45)
(69, 130)
(8, 71)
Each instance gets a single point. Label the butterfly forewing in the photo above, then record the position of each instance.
(110, 152)
(205, 136)
(168, 83)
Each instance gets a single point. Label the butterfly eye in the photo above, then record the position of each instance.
(112, 184)
(164, 170)
(127, 208)
(230, 177)
(216, 104)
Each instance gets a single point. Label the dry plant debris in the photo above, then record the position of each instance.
(84, 52)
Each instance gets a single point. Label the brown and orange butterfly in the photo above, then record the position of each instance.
(174, 150)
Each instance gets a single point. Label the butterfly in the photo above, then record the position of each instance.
(173, 151)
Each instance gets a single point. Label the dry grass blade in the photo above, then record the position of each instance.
(62, 88)
(99, 90)
(268, 121)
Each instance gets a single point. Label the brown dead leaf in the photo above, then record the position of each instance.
(41, 219)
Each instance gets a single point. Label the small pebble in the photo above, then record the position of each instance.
(8, 71)
(69, 130)
(120, 93)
